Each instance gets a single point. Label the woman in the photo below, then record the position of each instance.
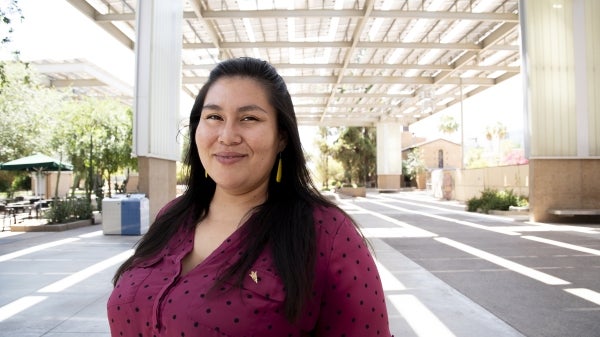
(251, 248)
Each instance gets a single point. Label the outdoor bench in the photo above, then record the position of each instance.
(574, 211)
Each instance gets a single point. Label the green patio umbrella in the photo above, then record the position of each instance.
(36, 163)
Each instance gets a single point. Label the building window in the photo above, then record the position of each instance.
(440, 158)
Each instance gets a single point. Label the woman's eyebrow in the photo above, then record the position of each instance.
(211, 107)
(251, 107)
(242, 109)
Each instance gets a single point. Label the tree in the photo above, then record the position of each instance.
(27, 110)
(416, 167)
(514, 156)
(326, 151)
(114, 152)
(9, 10)
(96, 135)
(415, 164)
(475, 158)
(356, 150)
(497, 131)
(26, 116)
(182, 169)
(495, 134)
(448, 124)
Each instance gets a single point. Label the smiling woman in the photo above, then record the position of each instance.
(251, 248)
(238, 138)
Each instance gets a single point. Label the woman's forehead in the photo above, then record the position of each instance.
(241, 90)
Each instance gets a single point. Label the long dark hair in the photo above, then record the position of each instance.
(284, 221)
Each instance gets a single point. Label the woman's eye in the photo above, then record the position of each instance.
(249, 118)
(213, 117)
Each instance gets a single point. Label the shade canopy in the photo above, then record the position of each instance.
(36, 162)
(345, 62)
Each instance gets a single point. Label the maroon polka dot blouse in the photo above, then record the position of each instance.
(153, 300)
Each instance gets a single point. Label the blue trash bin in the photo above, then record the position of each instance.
(125, 215)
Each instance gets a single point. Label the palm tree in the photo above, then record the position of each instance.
(448, 124)
(495, 133)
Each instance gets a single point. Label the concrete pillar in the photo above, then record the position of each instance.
(157, 93)
(389, 156)
(158, 181)
(561, 58)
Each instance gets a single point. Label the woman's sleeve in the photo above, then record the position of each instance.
(353, 302)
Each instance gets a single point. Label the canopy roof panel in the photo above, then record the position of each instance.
(84, 78)
(346, 62)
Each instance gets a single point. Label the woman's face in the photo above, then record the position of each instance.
(237, 136)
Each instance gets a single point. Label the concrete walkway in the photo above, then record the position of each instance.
(55, 284)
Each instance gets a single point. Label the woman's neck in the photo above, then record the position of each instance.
(235, 207)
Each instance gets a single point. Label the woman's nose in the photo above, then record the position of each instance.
(229, 134)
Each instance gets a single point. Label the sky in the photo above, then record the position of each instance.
(54, 30)
(502, 103)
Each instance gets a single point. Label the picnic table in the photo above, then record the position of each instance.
(19, 207)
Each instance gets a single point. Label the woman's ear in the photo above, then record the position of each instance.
(282, 141)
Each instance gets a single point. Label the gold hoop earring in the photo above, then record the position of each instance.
(205, 174)
(279, 170)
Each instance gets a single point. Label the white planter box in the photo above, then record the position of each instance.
(125, 215)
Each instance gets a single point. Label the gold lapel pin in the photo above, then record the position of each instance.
(254, 276)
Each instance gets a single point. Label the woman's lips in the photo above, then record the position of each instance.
(229, 157)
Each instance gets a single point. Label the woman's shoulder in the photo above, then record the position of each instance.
(327, 212)
(330, 219)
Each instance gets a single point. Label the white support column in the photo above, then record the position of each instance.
(581, 80)
(559, 53)
(389, 155)
(157, 94)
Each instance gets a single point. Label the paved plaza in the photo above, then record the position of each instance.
(445, 273)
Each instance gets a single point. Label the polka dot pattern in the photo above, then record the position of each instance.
(154, 300)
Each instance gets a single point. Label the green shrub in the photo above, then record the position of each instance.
(492, 199)
(59, 211)
(82, 209)
(5, 181)
(21, 183)
(473, 204)
(69, 209)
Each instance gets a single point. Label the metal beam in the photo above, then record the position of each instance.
(490, 40)
(341, 44)
(101, 76)
(357, 13)
(371, 66)
(328, 13)
(91, 13)
(362, 80)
